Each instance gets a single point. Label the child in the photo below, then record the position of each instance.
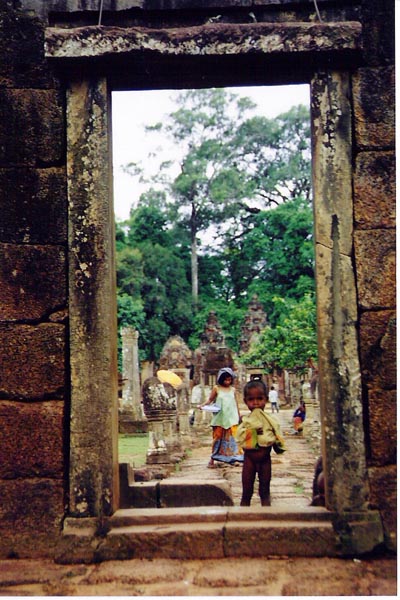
(257, 433)
(299, 417)
(224, 422)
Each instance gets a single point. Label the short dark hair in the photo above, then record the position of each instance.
(255, 384)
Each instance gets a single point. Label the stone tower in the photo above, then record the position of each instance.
(254, 322)
(212, 354)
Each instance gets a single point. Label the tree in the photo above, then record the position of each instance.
(274, 256)
(203, 192)
(231, 166)
(237, 205)
(274, 156)
(292, 343)
(152, 277)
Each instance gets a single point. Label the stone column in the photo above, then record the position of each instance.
(131, 396)
(93, 478)
(338, 358)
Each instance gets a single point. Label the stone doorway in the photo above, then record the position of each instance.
(93, 463)
(140, 471)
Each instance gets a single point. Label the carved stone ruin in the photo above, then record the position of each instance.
(176, 356)
(254, 322)
(209, 358)
(159, 403)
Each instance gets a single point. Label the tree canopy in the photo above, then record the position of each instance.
(292, 343)
(233, 220)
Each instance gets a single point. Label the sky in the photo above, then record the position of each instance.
(131, 111)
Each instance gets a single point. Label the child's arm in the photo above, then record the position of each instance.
(237, 405)
(211, 398)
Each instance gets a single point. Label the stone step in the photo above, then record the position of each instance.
(173, 492)
(218, 532)
(132, 516)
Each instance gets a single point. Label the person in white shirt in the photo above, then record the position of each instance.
(273, 398)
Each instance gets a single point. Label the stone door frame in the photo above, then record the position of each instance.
(93, 473)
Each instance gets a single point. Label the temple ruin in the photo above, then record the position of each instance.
(60, 61)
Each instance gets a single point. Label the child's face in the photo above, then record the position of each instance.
(255, 398)
(227, 382)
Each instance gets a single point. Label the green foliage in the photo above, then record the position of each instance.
(130, 274)
(152, 278)
(274, 257)
(275, 155)
(238, 205)
(292, 342)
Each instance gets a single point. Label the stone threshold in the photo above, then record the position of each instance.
(219, 532)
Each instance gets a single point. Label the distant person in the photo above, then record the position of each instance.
(299, 417)
(318, 488)
(273, 398)
(256, 435)
(224, 422)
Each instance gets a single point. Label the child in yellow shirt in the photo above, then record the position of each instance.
(256, 434)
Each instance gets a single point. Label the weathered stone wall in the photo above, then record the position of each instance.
(374, 244)
(33, 282)
(34, 358)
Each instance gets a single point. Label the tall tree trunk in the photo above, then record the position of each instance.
(194, 262)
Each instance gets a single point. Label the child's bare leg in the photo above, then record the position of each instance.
(248, 478)
(264, 477)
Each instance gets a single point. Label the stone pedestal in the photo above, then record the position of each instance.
(159, 403)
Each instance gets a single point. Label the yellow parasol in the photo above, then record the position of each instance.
(169, 377)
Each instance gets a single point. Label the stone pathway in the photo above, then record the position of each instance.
(269, 576)
(292, 472)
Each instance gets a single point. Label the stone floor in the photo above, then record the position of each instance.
(264, 577)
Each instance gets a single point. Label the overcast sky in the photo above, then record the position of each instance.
(131, 111)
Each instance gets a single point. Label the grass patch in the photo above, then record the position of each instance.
(133, 447)
(299, 488)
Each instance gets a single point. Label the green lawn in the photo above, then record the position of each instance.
(132, 448)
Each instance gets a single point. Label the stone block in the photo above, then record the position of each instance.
(143, 494)
(33, 281)
(379, 22)
(22, 51)
(32, 127)
(31, 513)
(179, 541)
(383, 496)
(374, 190)
(374, 101)
(32, 361)
(31, 442)
(378, 348)
(33, 204)
(375, 257)
(128, 425)
(266, 538)
(382, 411)
(359, 533)
(175, 492)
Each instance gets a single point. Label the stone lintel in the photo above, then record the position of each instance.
(209, 39)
